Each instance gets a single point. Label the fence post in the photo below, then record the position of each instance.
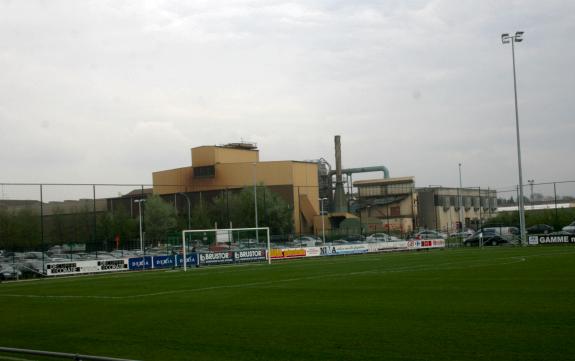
(555, 197)
(42, 225)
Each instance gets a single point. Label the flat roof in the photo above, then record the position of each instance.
(383, 181)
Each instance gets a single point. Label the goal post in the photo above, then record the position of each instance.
(225, 239)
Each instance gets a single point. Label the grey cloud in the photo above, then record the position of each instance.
(419, 86)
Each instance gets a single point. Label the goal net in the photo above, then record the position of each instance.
(228, 245)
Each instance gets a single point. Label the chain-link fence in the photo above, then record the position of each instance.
(42, 223)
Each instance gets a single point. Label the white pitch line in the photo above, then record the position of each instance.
(10, 358)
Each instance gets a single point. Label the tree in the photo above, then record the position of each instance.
(20, 230)
(239, 208)
(159, 218)
(117, 224)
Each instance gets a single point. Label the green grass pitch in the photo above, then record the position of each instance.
(465, 304)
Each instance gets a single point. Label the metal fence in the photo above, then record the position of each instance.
(44, 222)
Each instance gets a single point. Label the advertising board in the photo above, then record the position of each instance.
(387, 246)
(313, 251)
(136, 263)
(83, 267)
(342, 249)
(425, 243)
(279, 253)
(250, 255)
(551, 239)
(216, 258)
(164, 261)
(350, 249)
(191, 259)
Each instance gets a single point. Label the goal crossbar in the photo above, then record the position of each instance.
(189, 231)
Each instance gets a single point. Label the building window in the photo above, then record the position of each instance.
(394, 211)
(205, 172)
(383, 190)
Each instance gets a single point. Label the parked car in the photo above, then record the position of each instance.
(381, 237)
(429, 234)
(354, 238)
(489, 237)
(504, 230)
(462, 234)
(570, 228)
(540, 229)
(307, 241)
(7, 272)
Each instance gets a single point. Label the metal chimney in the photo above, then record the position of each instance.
(339, 197)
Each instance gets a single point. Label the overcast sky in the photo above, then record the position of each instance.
(111, 91)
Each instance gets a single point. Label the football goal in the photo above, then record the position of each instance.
(241, 245)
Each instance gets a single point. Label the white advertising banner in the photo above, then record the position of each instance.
(223, 236)
(425, 243)
(351, 248)
(387, 246)
(83, 267)
(313, 251)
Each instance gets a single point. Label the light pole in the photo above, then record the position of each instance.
(367, 221)
(322, 218)
(531, 181)
(139, 201)
(505, 39)
(189, 209)
(461, 217)
(256, 199)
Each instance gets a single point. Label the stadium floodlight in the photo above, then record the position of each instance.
(226, 236)
(517, 38)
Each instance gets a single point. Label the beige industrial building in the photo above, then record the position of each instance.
(237, 165)
(442, 208)
(395, 204)
(387, 204)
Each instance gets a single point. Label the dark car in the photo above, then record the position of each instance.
(540, 229)
(490, 238)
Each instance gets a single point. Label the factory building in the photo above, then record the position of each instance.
(234, 166)
(395, 205)
(387, 204)
(443, 208)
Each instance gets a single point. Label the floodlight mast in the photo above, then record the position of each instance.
(505, 39)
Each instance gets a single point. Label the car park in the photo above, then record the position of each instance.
(486, 237)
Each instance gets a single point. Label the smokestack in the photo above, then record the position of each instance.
(340, 201)
(338, 159)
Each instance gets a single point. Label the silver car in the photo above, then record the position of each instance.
(570, 228)
(7, 272)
